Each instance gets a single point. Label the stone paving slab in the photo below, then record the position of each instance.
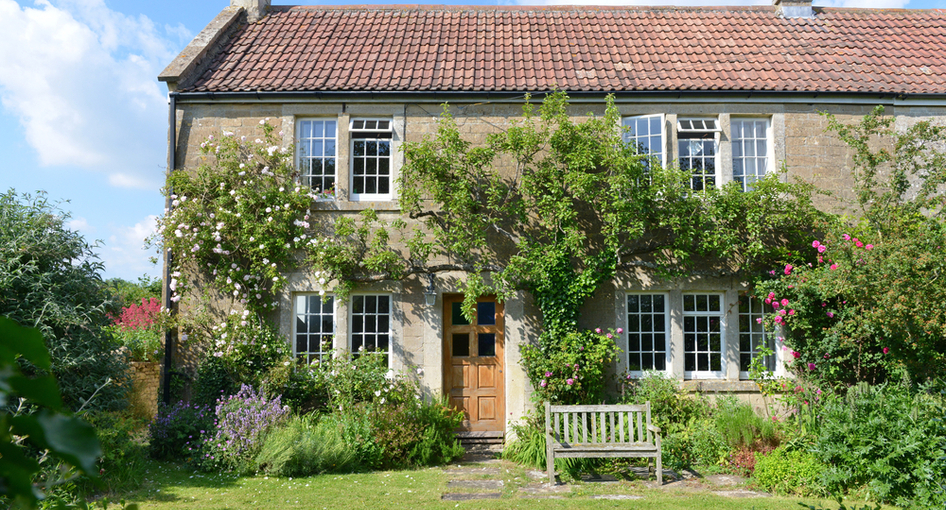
(617, 496)
(475, 484)
(469, 470)
(469, 496)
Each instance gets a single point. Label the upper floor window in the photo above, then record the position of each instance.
(317, 154)
(646, 133)
(371, 159)
(314, 327)
(698, 141)
(750, 150)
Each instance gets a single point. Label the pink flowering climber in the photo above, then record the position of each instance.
(796, 354)
(784, 301)
(569, 381)
(815, 244)
(788, 269)
(886, 350)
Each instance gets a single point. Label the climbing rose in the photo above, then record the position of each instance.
(886, 350)
(788, 269)
(569, 381)
(811, 366)
(796, 354)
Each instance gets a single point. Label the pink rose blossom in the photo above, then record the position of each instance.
(598, 330)
(846, 237)
(796, 354)
(788, 269)
(609, 335)
(834, 266)
(771, 295)
(784, 301)
(830, 315)
(620, 330)
(782, 312)
(778, 319)
(775, 304)
(569, 381)
(791, 312)
(811, 366)
(886, 350)
(758, 320)
(826, 356)
(822, 248)
(543, 383)
(768, 301)
(869, 247)
(815, 244)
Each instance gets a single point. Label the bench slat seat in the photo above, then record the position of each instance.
(601, 431)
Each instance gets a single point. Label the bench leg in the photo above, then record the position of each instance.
(660, 472)
(550, 464)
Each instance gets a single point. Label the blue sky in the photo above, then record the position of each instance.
(83, 117)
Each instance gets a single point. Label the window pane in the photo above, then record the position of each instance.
(486, 344)
(461, 344)
(457, 314)
(486, 313)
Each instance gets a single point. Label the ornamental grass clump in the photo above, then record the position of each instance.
(243, 420)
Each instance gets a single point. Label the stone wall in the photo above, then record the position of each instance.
(145, 378)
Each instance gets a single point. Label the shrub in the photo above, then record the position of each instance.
(570, 368)
(789, 472)
(740, 426)
(242, 423)
(888, 438)
(307, 446)
(438, 443)
(122, 464)
(213, 382)
(139, 331)
(671, 407)
(178, 431)
(301, 386)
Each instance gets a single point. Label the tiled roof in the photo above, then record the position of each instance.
(438, 48)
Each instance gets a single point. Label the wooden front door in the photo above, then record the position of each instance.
(473, 364)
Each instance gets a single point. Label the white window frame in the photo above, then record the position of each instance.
(630, 134)
(353, 132)
(322, 354)
(390, 316)
(302, 143)
(701, 126)
(755, 331)
(720, 315)
(626, 337)
(743, 152)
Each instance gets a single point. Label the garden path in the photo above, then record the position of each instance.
(481, 475)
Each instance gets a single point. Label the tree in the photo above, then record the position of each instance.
(50, 279)
(556, 206)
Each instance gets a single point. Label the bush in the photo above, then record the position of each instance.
(307, 446)
(790, 472)
(139, 330)
(242, 423)
(178, 431)
(122, 464)
(741, 427)
(213, 382)
(887, 438)
(569, 368)
(671, 407)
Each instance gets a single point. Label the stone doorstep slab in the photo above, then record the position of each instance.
(475, 484)
(469, 496)
(617, 496)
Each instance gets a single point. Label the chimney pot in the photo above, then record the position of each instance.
(794, 8)
(255, 9)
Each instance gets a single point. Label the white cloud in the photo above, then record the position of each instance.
(80, 225)
(81, 79)
(124, 253)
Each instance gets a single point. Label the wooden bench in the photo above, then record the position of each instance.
(600, 431)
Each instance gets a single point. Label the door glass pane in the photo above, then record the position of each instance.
(486, 313)
(461, 344)
(457, 315)
(487, 344)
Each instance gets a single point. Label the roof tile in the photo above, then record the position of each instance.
(384, 48)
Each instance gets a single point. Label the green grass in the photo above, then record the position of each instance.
(170, 486)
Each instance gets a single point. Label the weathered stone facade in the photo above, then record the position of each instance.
(796, 139)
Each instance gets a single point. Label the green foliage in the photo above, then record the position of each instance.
(861, 292)
(555, 206)
(307, 446)
(886, 438)
(124, 453)
(528, 447)
(213, 382)
(50, 279)
(243, 421)
(179, 431)
(64, 437)
(740, 426)
(671, 407)
(241, 221)
(788, 471)
(125, 293)
(571, 368)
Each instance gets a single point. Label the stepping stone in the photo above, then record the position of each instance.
(475, 484)
(743, 494)
(472, 471)
(617, 496)
(463, 496)
(725, 480)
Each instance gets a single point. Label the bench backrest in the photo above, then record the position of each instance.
(599, 423)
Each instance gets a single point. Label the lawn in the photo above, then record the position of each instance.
(173, 486)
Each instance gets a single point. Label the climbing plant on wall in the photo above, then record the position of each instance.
(557, 203)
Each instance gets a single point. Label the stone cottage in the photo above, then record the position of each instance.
(729, 93)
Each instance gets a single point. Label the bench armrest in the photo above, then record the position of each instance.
(653, 428)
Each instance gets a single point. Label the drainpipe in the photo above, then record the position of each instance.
(168, 337)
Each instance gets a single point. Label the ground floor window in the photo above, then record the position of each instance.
(371, 324)
(647, 332)
(752, 334)
(315, 327)
(703, 336)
